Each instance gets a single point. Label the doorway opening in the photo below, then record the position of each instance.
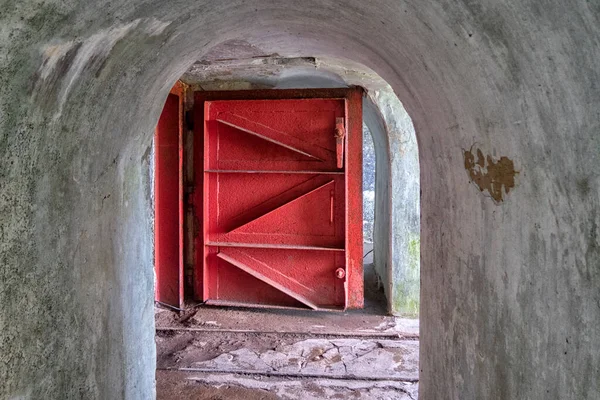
(274, 203)
(212, 345)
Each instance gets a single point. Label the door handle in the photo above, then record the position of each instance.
(340, 134)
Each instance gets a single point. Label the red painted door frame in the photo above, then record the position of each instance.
(353, 179)
(168, 200)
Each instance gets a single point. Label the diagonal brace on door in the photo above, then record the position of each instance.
(289, 196)
(270, 276)
(274, 136)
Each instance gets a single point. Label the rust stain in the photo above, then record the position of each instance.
(497, 177)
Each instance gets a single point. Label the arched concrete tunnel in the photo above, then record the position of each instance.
(505, 102)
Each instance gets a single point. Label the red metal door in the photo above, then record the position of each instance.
(168, 195)
(276, 230)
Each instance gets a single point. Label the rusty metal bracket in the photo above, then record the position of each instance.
(340, 134)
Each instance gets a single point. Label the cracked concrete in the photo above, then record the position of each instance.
(361, 359)
(292, 353)
(287, 365)
(280, 388)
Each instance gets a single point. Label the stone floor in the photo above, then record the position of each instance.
(235, 353)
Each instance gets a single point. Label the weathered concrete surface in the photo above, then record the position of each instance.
(356, 358)
(396, 235)
(357, 364)
(510, 298)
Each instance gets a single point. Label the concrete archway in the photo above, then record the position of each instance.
(506, 113)
(237, 65)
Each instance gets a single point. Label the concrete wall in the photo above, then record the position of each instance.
(396, 233)
(504, 98)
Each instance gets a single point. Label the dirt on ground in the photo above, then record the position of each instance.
(183, 348)
(175, 386)
(372, 318)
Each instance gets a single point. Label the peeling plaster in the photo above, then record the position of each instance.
(497, 177)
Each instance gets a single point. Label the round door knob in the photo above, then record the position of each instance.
(340, 273)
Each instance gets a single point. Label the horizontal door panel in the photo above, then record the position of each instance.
(280, 135)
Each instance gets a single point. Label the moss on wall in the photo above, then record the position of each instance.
(406, 291)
